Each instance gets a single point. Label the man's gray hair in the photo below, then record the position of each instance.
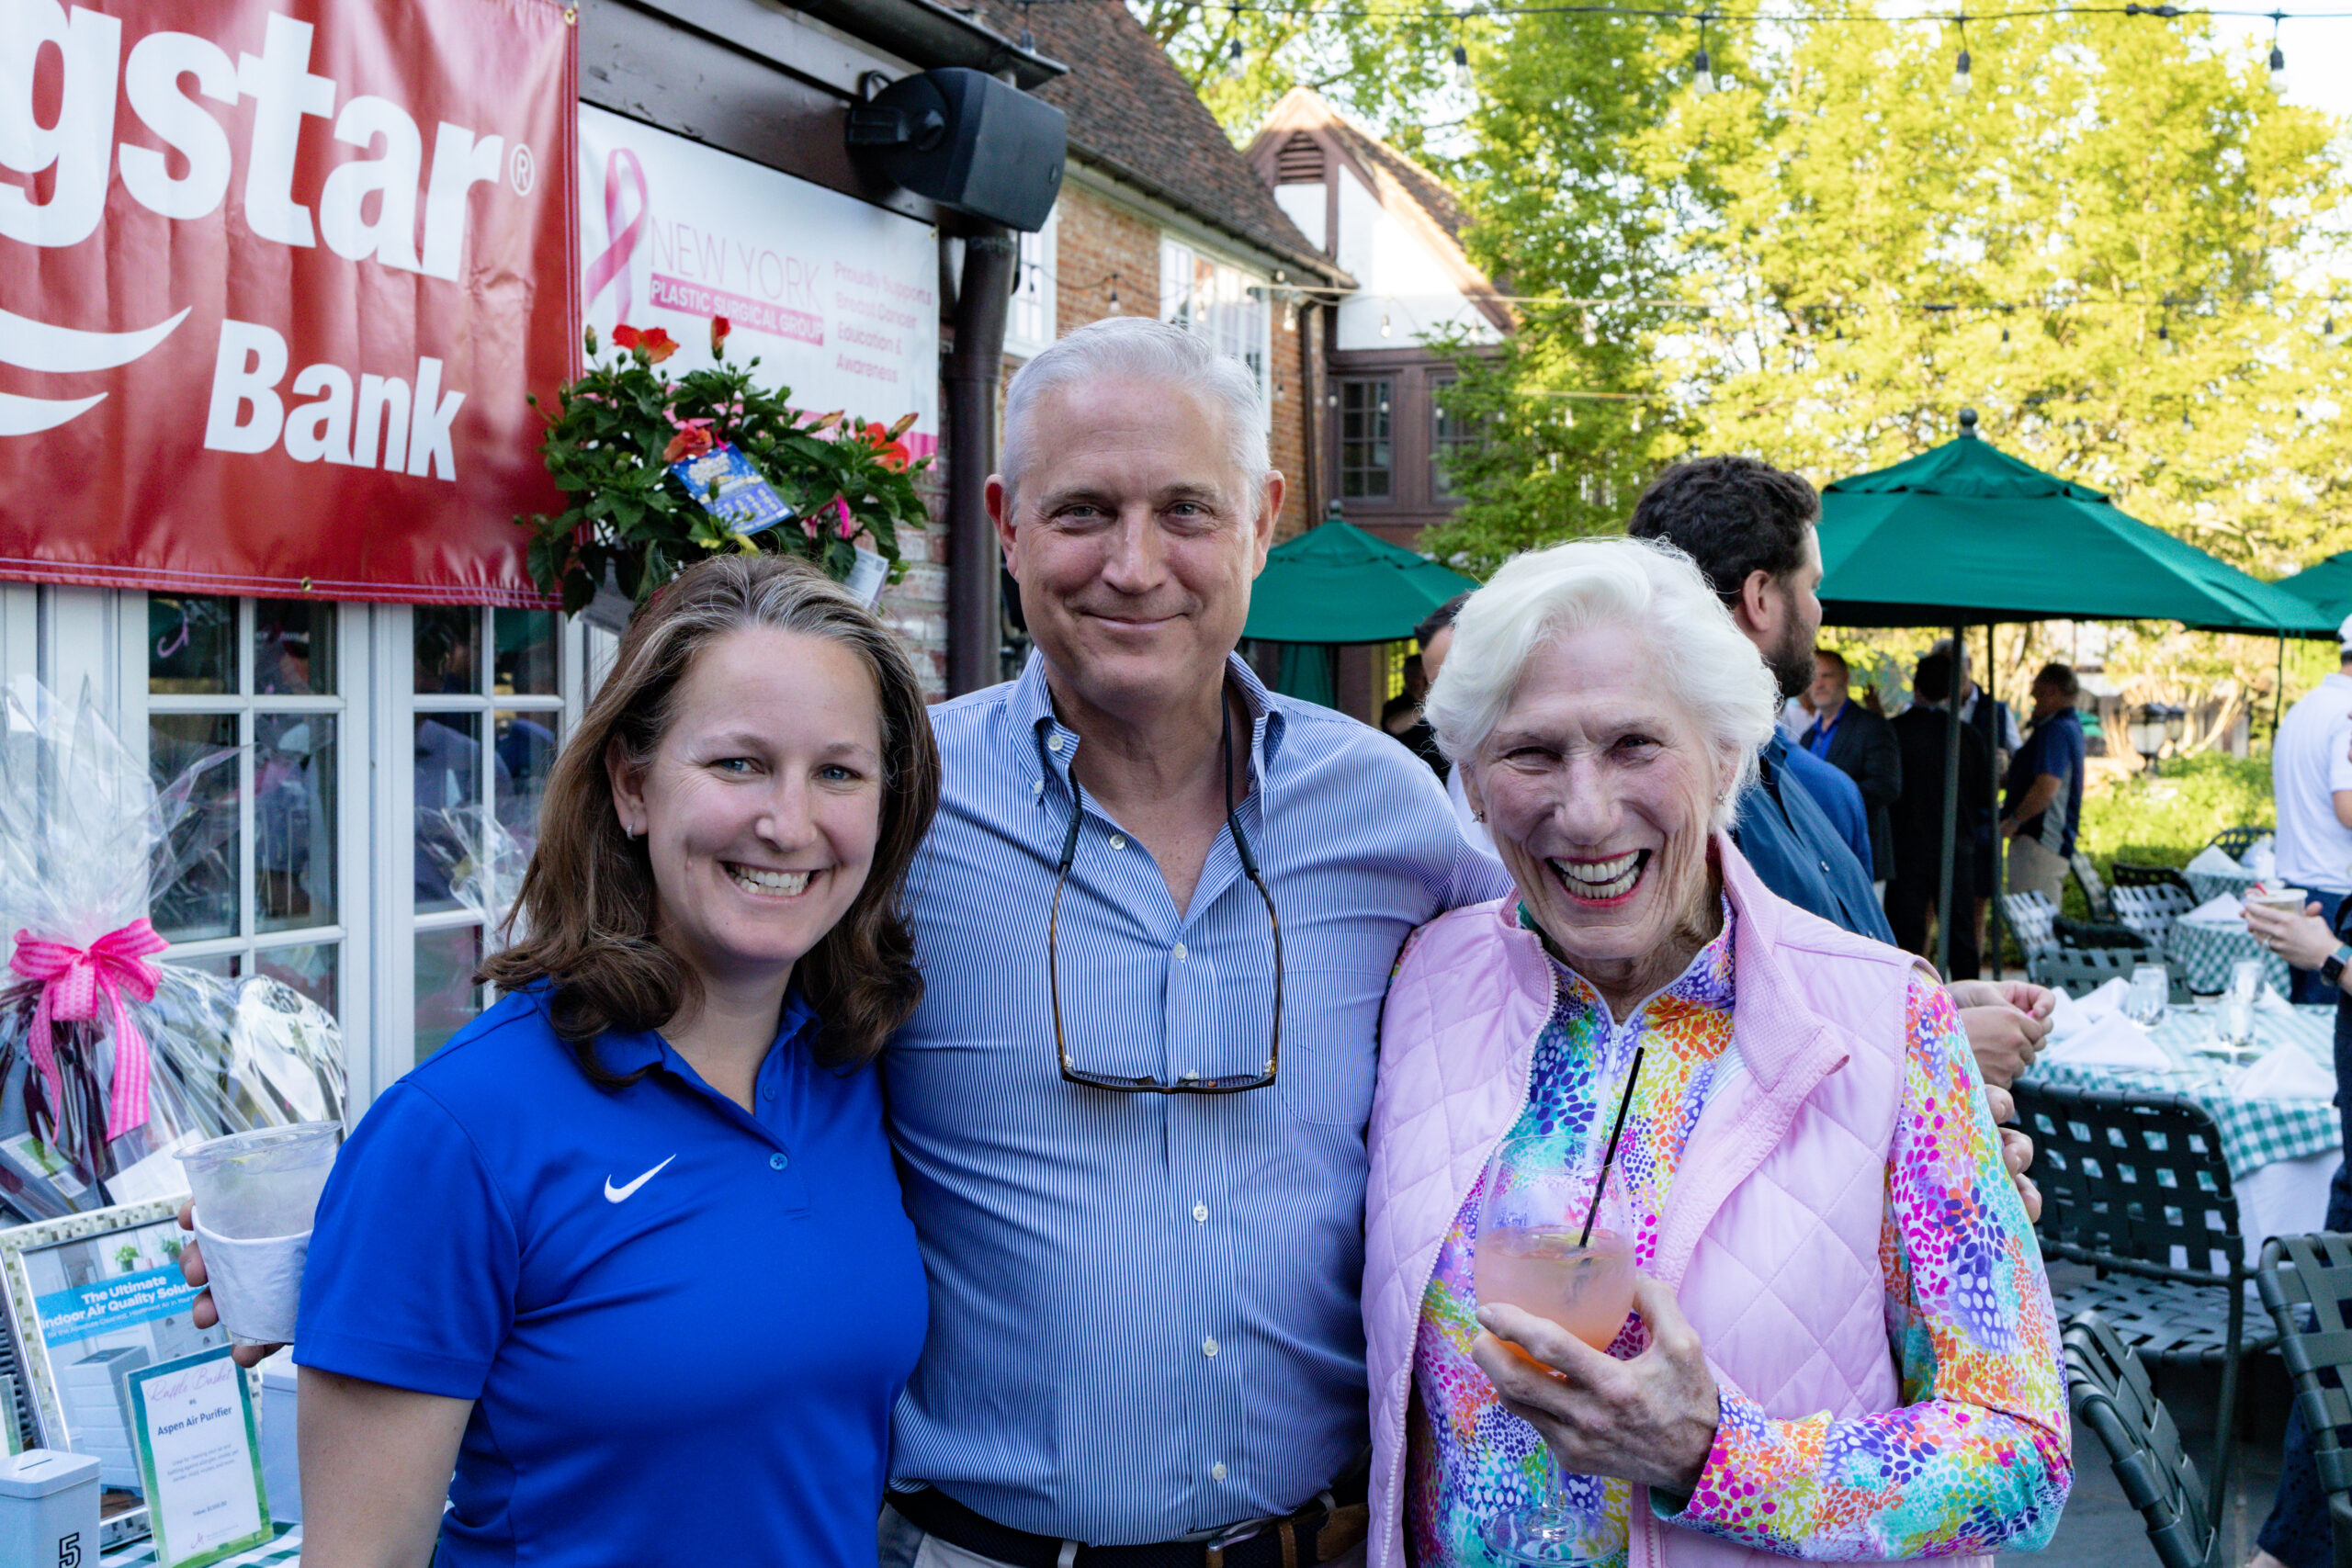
(1131, 348)
(1645, 588)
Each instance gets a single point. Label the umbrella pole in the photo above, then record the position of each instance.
(1951, 807)
(2278, 692)
(1993, 804)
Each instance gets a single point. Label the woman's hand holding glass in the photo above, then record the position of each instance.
(1650, 1421)
(2304, 941)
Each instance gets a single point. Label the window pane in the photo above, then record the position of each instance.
(1366, 463)
(527, 746)
(294, 816)
(526, 653)
(293, 647)
(220, 966)
(447, 997)
(448, 649)
(309, 969)
(449, 774)
(190, 643)
(202, 901)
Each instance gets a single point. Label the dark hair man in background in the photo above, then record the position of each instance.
(2041, 800)
(1435, 634)
(1857, 743)
(1922, 731)
(1750, 528)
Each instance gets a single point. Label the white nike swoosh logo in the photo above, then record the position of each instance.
(618, 1194)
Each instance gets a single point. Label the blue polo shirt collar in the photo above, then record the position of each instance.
(625, 1054)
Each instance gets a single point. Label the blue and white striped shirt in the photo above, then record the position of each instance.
(1144, 1308)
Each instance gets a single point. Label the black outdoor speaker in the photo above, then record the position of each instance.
(968, 142)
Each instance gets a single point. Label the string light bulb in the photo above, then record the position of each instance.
(1590, 337)
(1384, 323)
(1702, 75)
(1233, 50)
(1960, 83)
(1115, 294)
(2278, 56)
(1461, 65)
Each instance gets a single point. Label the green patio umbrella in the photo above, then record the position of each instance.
(1333, 584)
(2326, 587)
(1964, 535)
(1337, 583)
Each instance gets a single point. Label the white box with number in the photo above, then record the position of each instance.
(48, 1509)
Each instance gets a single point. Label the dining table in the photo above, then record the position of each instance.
(2282, 1148)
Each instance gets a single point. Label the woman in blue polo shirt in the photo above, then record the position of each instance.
(629, 1254)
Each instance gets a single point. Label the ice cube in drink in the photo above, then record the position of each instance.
(1586, 1288)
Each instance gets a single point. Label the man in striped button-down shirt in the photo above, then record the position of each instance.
(1144, 1316)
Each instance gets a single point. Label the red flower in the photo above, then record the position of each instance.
(719, 327)
(657, 344)
(693, 440)
(624, 336)
(891, 453)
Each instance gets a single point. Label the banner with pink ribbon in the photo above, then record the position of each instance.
(837, 297)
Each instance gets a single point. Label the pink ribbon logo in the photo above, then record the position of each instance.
(613, 266)
(72, 981)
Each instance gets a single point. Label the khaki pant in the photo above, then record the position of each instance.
(2035, 867)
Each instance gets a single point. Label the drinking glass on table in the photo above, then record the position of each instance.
(2150, 996)
(2236, 1023)
(1549, 1245)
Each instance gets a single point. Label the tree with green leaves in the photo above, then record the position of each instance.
(2111, 247)
(1389, 63)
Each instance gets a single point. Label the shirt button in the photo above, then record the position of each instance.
(1201, 1212)
(1037, 788)
(1216, 1471)
(1118, 843)
(778, 1162)
(1178, 951)
(1208, 1347)
(1053, 743)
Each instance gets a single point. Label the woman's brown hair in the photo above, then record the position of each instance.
(587, 905)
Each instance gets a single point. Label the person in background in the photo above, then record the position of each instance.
(629, 1254)
(1841, 1345)
(1436, 636)
(1401, 716)
(1997, 727)
(1922, 733)
(1750, 526)
(1797, 716)
(1857, 743)
(1155, 921)
(2297, 1534)
(2311, 786)
(2042, 799)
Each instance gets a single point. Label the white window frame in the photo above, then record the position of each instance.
(396, 706)
(1029, 324)
(1181, 265)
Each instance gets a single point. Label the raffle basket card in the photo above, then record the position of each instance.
(199, 1455)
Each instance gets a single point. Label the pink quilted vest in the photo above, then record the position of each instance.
(1770, 1235)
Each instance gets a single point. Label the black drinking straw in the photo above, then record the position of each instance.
(1610, 1155)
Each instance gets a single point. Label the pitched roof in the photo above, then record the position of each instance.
(1395, 179)
(1133, 115)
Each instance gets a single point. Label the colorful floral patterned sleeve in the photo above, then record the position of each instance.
(1977, 1460)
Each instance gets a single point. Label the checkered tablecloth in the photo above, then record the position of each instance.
(286, 1552)
(2209, 885)
(2255, 1132)
(2201, 955)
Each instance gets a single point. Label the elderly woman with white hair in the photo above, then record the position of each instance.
(1757, 1280)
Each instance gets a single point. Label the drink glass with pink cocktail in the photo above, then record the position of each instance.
(1549, 1244)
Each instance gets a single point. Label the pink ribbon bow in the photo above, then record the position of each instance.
(72, 981)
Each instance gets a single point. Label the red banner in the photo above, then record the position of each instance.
(276, 277)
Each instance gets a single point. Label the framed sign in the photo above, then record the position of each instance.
(200, 1457)
(91, 1299)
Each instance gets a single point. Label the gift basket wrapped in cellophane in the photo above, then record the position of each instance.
(110, 1059)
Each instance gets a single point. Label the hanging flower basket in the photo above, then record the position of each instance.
(662, 474)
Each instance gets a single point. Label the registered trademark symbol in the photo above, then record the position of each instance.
(521, 170)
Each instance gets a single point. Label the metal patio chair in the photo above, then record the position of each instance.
(2151, 909)
(2130, 1182)
(2079, 971)
(2095, 894)
(2306, 1282)
(2109, 1393)
(2034, 919)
